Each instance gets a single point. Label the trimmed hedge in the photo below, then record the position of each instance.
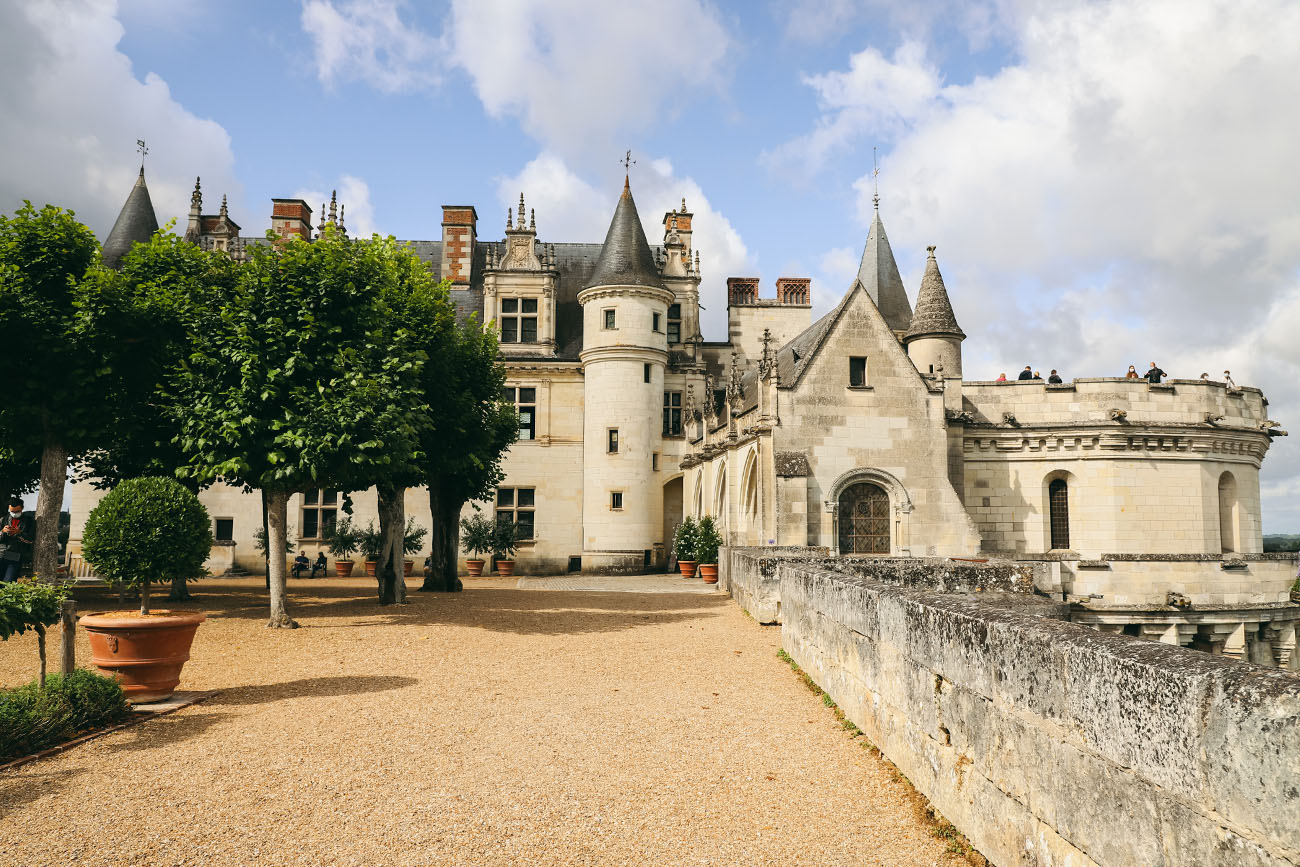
(34, 719)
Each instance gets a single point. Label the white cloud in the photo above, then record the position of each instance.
(354, 196)
(570, 209)
(72, 110)
(977, 21)
(369, 41)
(1122, 192)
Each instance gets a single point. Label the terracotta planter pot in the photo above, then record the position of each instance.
(709, 572)
(687, 568)
(343, 568)
(475, 568)
(407, 566)
(505, 567)
(144, 653)
(370, 568)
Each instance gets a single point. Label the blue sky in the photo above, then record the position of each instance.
(1107, 182)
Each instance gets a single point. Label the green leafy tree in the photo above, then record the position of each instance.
(685, 539)
(53, 408)
(707, 542)
(344, 539)
(478, 535)
(505, 535)
(298, 379)
(30, 605)
(145, 531)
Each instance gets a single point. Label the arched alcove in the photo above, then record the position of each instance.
(1229, 514)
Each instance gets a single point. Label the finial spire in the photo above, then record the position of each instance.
(520, 223)
(143, 149)
(875, 179)
(196, 197)
(683, 204)
(224, 212)
(342, 228)
(334, 207)
(930, 249)
(322, 221)
(532, 219)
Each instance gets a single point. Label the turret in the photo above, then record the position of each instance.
(879, 275)
(934, 339)
(135, 224)
(624, 355)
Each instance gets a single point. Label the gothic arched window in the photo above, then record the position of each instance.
(1058, 510)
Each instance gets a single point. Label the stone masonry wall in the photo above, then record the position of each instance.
(1048, 743)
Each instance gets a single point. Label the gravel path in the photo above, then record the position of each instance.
(496, 726)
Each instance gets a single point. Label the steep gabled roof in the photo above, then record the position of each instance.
(793, 358)
(136, 223)
(879, 275)
(933, 309)
(625, 258)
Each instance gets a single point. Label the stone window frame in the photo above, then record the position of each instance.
(616, 501)
(673, 425)
(514, 394)
(318, 505)
(674, 333)
(656, 322)
(609, 319)
(519, 317)
(1071, 508)
(853, 362)
(611, 441)
(515, 508)
(216, 529)
(900, 506)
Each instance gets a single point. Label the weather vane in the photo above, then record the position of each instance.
(627, 162)
(875, 179)
(142, 148)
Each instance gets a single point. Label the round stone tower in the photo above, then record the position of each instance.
(933, 338)
(624, 354)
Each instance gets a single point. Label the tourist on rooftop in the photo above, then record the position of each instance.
(1205, 377)
(1002, 377)
(1037, 375)
(1027, 373)
(1227, 377)
(1155, 374)
(1054, 378)
(1132, 373)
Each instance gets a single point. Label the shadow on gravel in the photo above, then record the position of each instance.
(16, 791)
(311, 686)
(168, 730)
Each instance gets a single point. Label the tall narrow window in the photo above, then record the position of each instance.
(645, 372)
(674, 323)
(525, 401)
(857, 372)
(613, 441)
(319, 511)
(720, 401)
(672, 413)
(609, 318)
(1228, 513)
(517, 505)
(656, 321)
(1058, 508)
(616, 500)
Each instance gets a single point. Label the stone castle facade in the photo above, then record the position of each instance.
(856, 432)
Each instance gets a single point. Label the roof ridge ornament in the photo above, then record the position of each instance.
(875, 180)
(143, 149)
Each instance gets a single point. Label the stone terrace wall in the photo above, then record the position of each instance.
(1048, 743)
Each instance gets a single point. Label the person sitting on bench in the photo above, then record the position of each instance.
(299, 564)
(318, 566)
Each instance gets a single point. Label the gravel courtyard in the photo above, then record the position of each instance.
(496, 726)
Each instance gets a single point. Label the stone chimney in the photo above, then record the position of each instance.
(742, 290)
(459, 225)
(794, 290)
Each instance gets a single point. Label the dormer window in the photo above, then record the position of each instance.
(674, 323)
(518, 320)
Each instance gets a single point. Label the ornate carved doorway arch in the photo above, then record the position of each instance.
(864, 519)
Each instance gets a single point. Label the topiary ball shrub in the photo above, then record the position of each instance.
(33, 719)
(147, 530)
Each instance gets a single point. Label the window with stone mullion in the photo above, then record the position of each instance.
(518, 505)
(525, 402)
(518, 320)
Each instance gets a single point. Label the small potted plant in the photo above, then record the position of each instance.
(684, 545)
(412, 541)
(707, 544)
(343, 542)
(477, 537)
(145, 531)
(506, 536)
(371, 543)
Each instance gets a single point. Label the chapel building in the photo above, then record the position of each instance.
(855, 433)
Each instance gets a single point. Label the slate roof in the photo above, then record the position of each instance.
(793, 358)
(879, 275)
(136, 222)
(933, 309)
(625, 257)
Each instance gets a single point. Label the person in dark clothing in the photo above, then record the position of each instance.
(300, 564)
(1155, 374)
(1027, 373)
(1054, 378)
(318, 566)
(16, 538)
(1037, 375)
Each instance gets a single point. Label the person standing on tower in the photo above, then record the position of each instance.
(1027, 373)
(1155, 374)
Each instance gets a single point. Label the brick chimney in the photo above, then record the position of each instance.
(459, 224)
(794, 290)
(291, 217)
(742, 290)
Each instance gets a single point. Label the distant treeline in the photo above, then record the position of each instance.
(1281, 543)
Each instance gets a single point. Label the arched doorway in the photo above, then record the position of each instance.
(864, 519)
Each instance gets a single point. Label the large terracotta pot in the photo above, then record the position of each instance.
(709, 572)
(506, 567)
(343, 568)
(407, 566)
(687, 568)
(475, 568)
(144, 653)
(370, 567)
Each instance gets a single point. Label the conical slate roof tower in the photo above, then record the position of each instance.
(879, 275)
(933, 309)
(136, 223)
(625, 259)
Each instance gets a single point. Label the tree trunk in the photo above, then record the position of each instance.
(390, 568)
(144, 598)
(180, 591)
(444, 540)
(68, 635)
(40, 649)
(277, 509)
(266, 537)
(54, 474)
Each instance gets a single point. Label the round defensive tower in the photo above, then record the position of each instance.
(624, 354)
